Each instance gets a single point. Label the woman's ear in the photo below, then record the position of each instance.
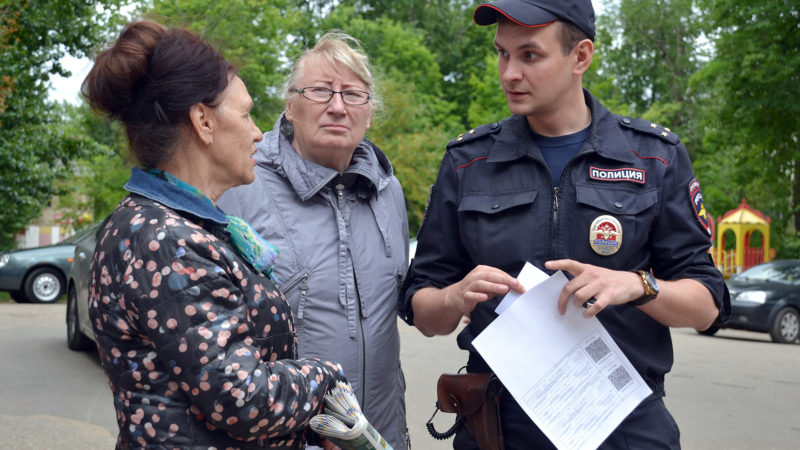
(202, 121)
(288, 112)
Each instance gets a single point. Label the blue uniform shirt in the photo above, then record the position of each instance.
(558, 151)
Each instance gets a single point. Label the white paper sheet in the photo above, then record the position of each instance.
(566, 372)
(529, 276)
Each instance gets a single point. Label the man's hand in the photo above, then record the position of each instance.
(605, 286)
(439, 311)
(481, 284)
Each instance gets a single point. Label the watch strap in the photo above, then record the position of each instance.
(650, 290)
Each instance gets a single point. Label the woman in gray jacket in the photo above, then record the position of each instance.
(327, 198)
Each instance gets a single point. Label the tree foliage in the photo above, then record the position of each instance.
(255, 35)
(652, 48)
(95, 188)
(721, 73)
(752, 117)
(36, 147)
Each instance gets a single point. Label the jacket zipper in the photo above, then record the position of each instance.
(340, 196)
(363, 341)
(299, 281)
(555, 205)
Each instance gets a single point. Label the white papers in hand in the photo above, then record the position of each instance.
(566, 372)
(529, 276)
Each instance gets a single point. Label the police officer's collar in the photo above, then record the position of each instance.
(514, 141)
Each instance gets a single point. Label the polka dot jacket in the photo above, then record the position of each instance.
(198, 348)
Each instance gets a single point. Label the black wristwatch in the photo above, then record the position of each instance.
(650, 288)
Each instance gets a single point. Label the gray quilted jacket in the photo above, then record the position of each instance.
(343, 241)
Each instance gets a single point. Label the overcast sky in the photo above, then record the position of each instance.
(67, 89)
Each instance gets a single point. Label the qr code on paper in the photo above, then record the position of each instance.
(620, 378)
(597, 349)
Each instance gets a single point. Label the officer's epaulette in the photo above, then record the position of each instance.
(647, 127)
(474, 133)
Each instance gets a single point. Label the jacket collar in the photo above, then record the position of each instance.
(154, 188)
(369, 170)
(605, 137)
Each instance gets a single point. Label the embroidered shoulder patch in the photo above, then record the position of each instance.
(696, 197)
(624, 174)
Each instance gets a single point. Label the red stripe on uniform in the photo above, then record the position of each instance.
(470, 163)
(649, 157)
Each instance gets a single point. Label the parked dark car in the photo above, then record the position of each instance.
(766, 298)
(39, 274)
(79, 329)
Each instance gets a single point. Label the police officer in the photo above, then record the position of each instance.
(567, 185)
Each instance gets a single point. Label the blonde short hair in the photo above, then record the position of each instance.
(341, 50)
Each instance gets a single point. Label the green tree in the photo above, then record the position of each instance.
(256, 35)
(650, 49)
(752, 118)
(414, 147)
(488, 102)
(599, 80)
(96, 187)
(653, 50)
(35, 147)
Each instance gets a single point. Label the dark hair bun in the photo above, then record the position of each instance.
(118, 70)
(150, 79)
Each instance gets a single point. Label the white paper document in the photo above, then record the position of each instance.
(529, 276)
(566, 372)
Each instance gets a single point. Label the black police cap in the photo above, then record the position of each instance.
(532, 13)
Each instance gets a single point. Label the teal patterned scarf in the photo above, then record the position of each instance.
(249, 244)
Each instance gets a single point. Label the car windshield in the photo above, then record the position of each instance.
(779, 271)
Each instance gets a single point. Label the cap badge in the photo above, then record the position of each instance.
(605, 235)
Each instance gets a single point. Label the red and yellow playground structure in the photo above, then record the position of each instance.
(742, 224)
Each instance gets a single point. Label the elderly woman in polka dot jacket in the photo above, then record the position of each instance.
(197, 343)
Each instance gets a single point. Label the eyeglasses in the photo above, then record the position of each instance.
(324, 95)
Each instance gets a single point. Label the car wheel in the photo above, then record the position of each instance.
(18, 297)
(76, 340)
(786, 328)
(44, 285)
(710, 331)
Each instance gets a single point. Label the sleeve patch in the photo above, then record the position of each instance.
(696, 197)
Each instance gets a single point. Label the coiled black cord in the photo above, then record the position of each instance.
(447, 434)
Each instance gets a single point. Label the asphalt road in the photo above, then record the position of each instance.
(736, 390)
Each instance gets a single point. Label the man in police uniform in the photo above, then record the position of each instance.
(566, 185)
